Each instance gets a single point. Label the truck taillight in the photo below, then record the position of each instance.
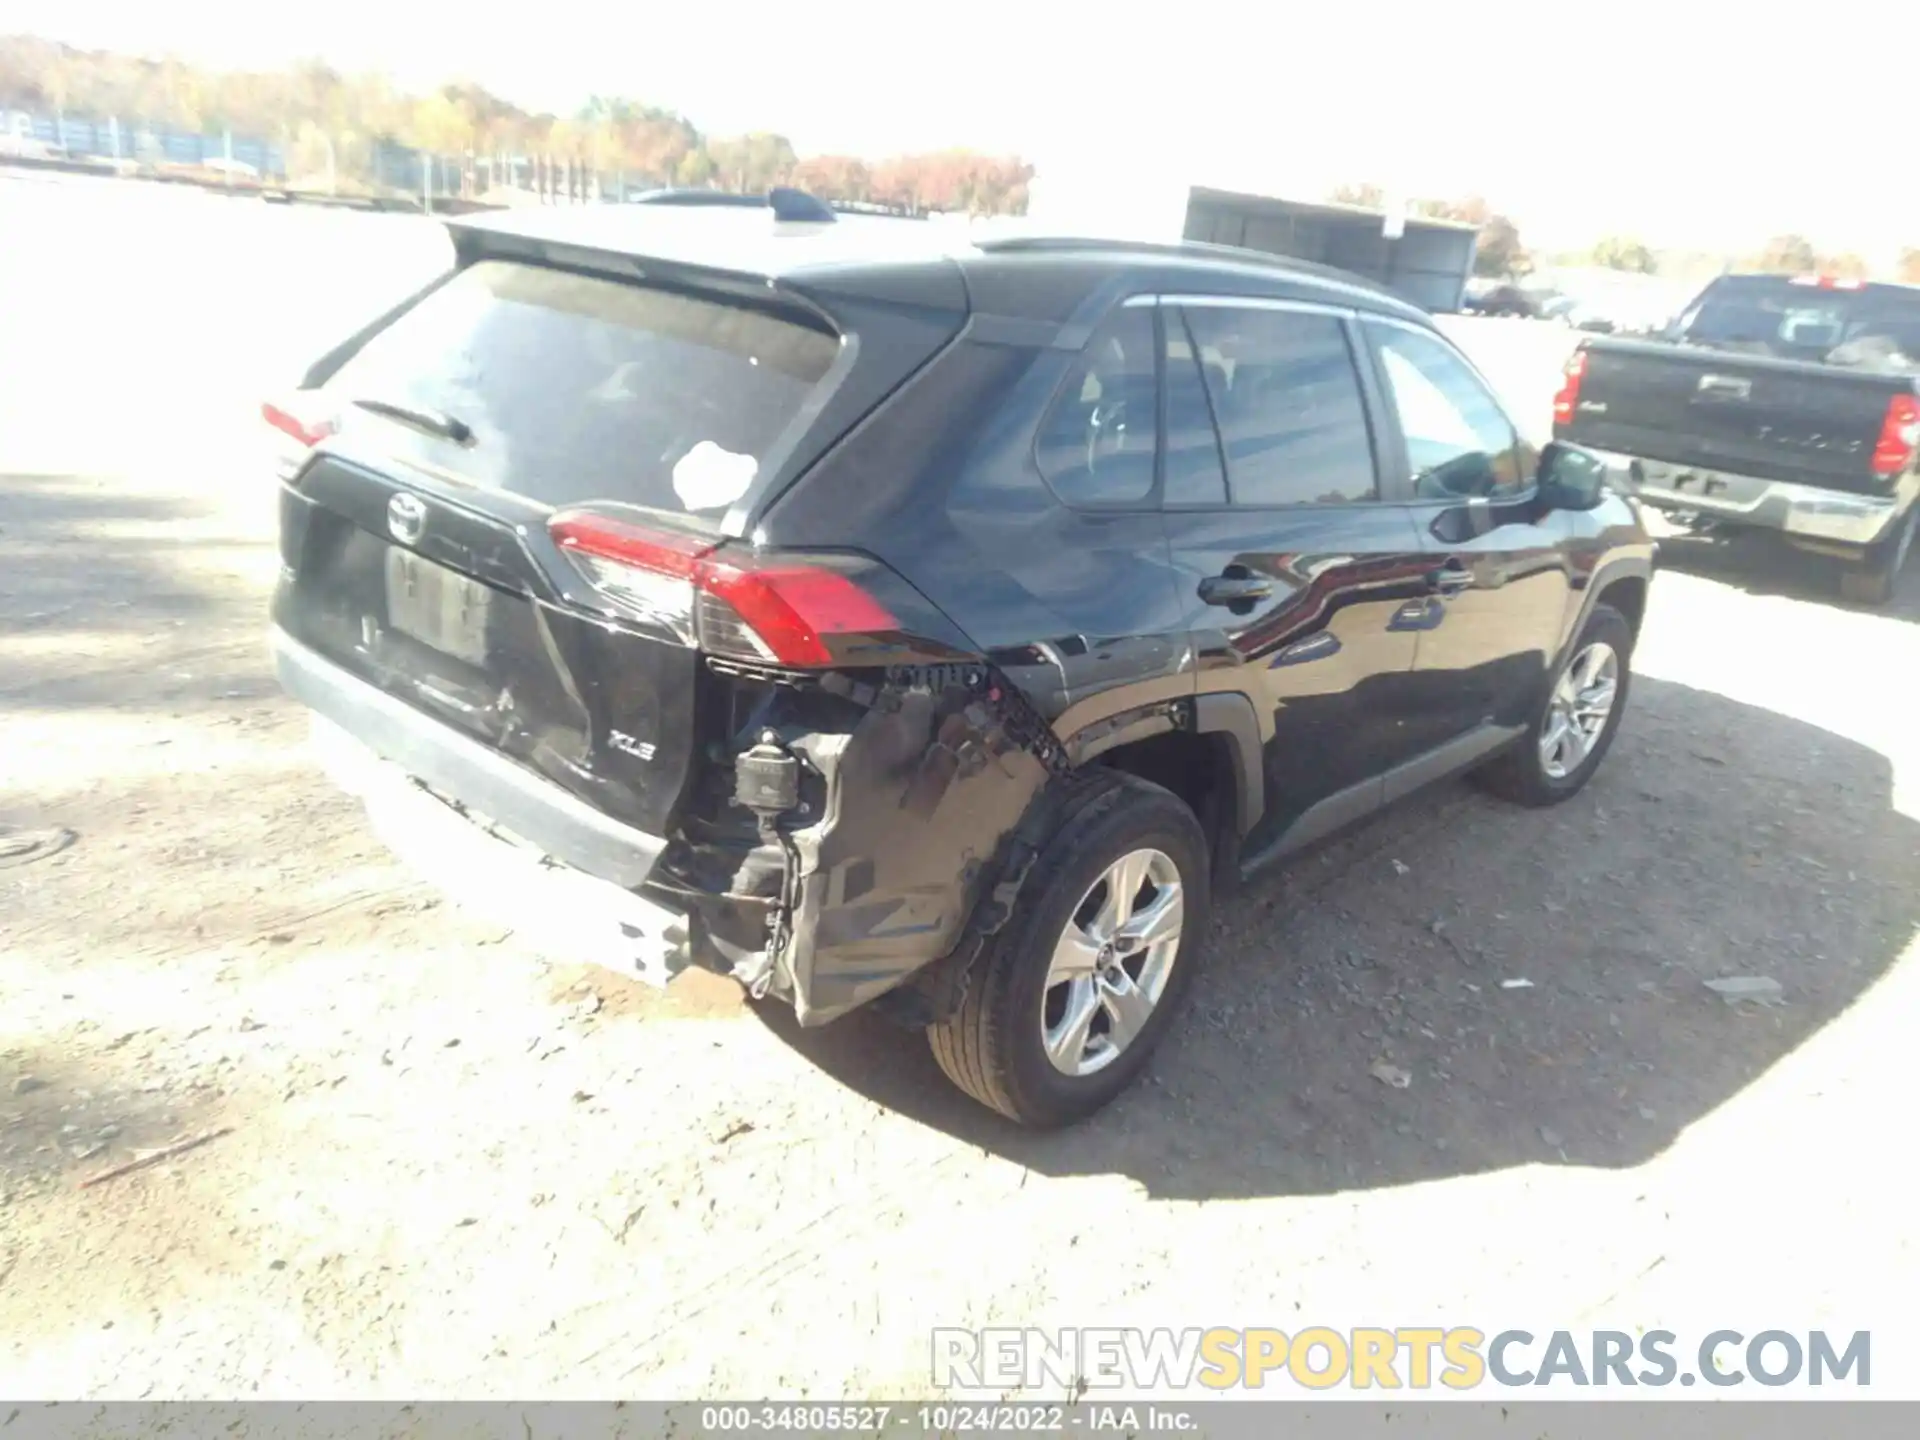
(1569, 393)
(778, 610)
(1899, 437)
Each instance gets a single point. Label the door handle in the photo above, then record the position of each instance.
(1734, 387)
(1450, 579)
(1234, 589)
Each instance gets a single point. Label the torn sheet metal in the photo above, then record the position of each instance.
(922, 792)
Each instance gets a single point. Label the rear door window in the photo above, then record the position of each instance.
(1096, 444)
(1286, 396)
(579, 388)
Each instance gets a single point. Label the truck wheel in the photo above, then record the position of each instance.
(1876, 577)
(1070, 998)
(1565, 744)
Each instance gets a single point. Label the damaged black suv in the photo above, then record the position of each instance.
(876, 615)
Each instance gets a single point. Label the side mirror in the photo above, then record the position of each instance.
(1571, 478)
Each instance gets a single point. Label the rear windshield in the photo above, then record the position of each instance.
(1876, 326)
(576, 388)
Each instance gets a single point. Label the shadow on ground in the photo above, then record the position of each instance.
(1762, 565)
(1720, 839)
(114, 598)
(61, 1117)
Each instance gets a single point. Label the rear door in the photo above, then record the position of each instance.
(415, 543)
(1497, 578)
(1293, 564)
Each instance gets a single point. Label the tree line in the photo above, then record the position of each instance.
(1501, 253)
(334, 124)
(1796, 255)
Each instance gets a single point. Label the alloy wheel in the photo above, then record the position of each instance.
(1111, 963)
(1577, 713)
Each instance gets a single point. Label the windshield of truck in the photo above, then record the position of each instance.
(1870, 326)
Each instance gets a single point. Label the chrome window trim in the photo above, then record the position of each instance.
(1250, 302)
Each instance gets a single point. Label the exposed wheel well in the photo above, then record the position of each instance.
(1629, 597)
(1199, 769)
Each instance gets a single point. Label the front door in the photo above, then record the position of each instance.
(1295, 571)
(1497, 574)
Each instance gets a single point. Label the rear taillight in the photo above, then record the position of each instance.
(299, 423)
(1568, 397)
(774, 610)
(1899, 437)
(785, 612)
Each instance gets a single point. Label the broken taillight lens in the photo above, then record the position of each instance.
(1899, 437)
(777, 610)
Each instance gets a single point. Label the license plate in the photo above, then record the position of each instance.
(437, 607)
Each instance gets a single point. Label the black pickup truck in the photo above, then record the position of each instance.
(1774, 403)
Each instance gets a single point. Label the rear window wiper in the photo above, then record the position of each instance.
(434, 422)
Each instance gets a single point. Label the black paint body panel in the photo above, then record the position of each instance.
(1034, 635)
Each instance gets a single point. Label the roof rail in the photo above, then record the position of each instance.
(1194, 249)
(691, 196)
(1187, 250)
(877, 207)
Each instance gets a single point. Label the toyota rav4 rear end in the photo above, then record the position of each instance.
(520, 594)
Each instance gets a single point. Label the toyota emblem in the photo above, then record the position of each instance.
(406, 517)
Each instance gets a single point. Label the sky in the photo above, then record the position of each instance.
(1675, 122)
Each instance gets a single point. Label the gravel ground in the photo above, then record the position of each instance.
(441, 1165)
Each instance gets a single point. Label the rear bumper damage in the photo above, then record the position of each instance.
(927, 776)
(905, 812)
(492, 873)
(558, 824)
(502, 841)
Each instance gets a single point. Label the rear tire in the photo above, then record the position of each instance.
(1012, 1044)
(1875, 579)
(1538, 772)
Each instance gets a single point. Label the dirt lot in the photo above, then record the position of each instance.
(443, 1166)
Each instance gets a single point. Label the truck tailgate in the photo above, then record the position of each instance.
(1752, 415)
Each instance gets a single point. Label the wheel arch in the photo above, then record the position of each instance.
(1207, 746)
(1208, 751)
(1628, 595)
(1621, 578)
